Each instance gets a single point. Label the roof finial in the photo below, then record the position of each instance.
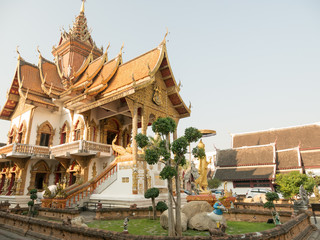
(164, 39)
(82, 6)
(17, 49)
(38, 51)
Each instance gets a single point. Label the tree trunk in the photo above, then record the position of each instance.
(154, 209)
(178, 204)
(171, 228)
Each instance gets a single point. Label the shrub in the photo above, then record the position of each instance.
(161, 206)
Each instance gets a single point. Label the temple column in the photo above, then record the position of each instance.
(144, 126)
(134, 133)
(83, 161)
(134, 148)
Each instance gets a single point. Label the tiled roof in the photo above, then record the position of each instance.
(30, 78)
(246, 173)
(136, 68)
(288, 159)
(91, 71)
(51, 76)
(106, 73)
(307, 136)
(311, 158)
(246, 156)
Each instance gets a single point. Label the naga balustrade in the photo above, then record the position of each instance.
(80, 192)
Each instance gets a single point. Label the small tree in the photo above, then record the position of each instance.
(152, 193)
(161, 206)
(272, 196)
(290, 183)
(163, 152)
(33, 197)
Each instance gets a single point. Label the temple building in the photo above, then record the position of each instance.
(74, 121)
(255, 158)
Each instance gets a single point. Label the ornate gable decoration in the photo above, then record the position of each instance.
(157, 95)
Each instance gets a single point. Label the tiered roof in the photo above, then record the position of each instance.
(306, 136)
(250, 163)
(95, 78)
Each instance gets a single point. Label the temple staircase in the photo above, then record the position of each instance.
(77, 195)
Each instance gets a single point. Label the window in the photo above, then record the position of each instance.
(44, 139)
(77, 134)
(45, 134)
(242, 184)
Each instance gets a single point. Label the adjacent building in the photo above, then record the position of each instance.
(256, 157)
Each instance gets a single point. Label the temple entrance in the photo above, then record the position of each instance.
(74, 173)
(110, 129)
(39, 175)
(111, 136)
(60, 174)
(39, 180)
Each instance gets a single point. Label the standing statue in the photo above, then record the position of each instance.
(125, 225)
(203, 170)
(301, 204)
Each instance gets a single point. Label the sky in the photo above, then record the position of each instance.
(245, 65)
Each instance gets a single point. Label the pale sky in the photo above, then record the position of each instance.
(245, 65)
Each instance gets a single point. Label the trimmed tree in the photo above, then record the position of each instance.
(272, 196)
(162, 152)
(152, 193)
(33, 197)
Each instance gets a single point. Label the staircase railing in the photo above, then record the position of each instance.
(83, 191)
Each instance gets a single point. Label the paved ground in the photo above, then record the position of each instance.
(316, 234)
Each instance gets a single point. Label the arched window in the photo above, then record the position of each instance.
(64, 133)
(12, 134)
(78, 130)
(45, 134)
(22, 133)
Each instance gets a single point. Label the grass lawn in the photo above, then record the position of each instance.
(150, 227)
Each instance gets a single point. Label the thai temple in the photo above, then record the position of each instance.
(74, 122)
(256, 157)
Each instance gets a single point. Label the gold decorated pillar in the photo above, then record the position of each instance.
(144, 126)
(134, 133)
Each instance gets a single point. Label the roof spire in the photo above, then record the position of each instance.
(82, 6)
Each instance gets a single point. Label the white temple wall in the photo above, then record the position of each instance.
(118, 188)
(100, 162)
(17, 121)
(40, 116)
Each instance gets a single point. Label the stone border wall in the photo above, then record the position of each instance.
(298, 228)
(55, 213)
(121, 213)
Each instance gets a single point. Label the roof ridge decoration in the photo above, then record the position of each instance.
(89, 79)
(80, 29)
(84, 65)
